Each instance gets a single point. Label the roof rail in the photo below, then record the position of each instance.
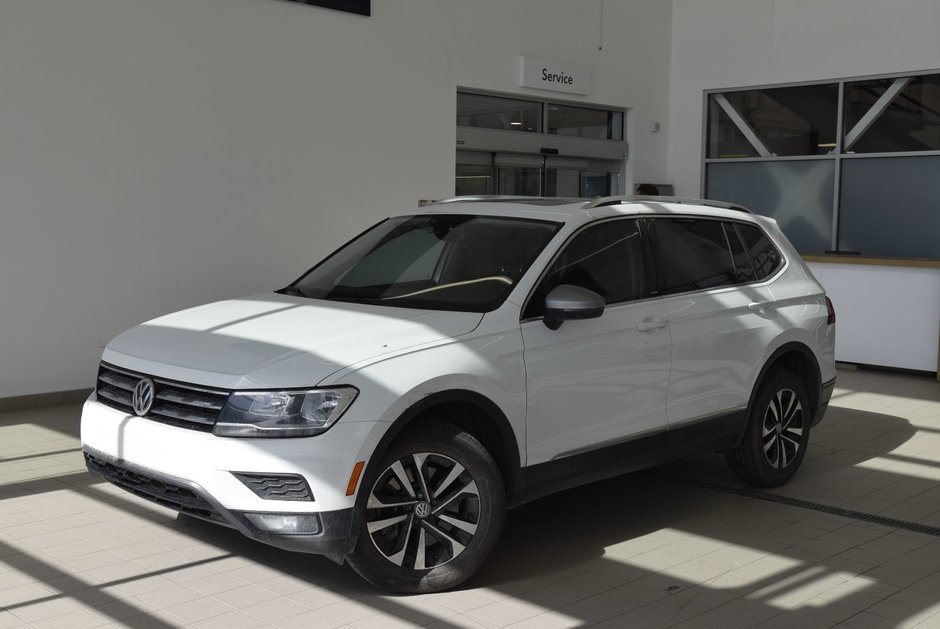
(604, 201)
(498, 198)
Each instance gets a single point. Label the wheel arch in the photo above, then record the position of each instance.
(472, 412)
(798, 358)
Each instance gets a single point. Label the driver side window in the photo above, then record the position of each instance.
(606, 258)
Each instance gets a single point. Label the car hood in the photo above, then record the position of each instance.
(276, 341)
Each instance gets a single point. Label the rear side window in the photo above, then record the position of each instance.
(764, 255)
(606, 258)
(692, 254)
(743, 268)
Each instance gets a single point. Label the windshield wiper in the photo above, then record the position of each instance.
(292, 290)
(491, 278)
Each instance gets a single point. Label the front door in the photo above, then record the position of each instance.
(602, 382)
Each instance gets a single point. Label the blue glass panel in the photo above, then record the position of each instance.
(798, 194)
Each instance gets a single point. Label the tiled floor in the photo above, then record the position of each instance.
(645, 550)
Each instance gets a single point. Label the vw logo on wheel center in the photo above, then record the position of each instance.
(422, 510)
(143, 397)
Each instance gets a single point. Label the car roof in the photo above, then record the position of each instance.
(584, 210)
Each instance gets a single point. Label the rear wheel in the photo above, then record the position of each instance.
(777, 432)
(433, 512)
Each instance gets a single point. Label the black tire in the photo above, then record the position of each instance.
(777, 433)
(419, 545)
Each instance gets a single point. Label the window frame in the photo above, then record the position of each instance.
(544, 105)
(762, 140)
(782, 260)
(726, 221)
(645, 223)
(841, 153)
(647, 261)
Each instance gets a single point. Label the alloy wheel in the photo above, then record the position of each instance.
(782, 434)
(423, 511)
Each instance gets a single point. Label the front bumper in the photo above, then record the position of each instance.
(325, 461)
(197, 473)
(334, 536)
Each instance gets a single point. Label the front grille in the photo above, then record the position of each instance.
(161, 492)
(276, 486)
(174, 403)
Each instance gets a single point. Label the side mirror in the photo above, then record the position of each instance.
(567, 302)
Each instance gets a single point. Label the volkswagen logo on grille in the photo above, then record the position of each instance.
(143, 397)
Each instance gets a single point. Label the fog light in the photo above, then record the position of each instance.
(286, 523)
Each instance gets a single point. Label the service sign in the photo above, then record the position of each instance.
(557, 76)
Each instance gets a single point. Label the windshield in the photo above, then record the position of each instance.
(433, 261)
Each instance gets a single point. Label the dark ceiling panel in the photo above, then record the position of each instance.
(362, 7)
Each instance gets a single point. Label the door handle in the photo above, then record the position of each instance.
(648, 325)
(758, 308)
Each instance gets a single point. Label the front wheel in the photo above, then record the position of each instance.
(777, 433)
(434, 511)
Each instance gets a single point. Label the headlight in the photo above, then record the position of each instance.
(282, 413)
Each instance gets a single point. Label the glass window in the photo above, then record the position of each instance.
(743, 269)
(495, 112)
(606, 258)
(526, 182)
(889, 206)
(412, 257)
(598, 184)
(911, 122)
(583, 122)
(691, 254)
(797, 193)
(433, 261)
(764, 255)
(475, 179)
(562, 182)
(787, 120)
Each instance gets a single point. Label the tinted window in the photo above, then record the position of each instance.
(412, 257)
(795, 193)
(495, 112)
(764, 255)
(797, 120)
(585, 123)
(434, 261)
(910, 122)
(691, 254)
(743, 269)
(606, 258)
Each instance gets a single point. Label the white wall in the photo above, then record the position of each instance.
(735, 43)
(156, 154)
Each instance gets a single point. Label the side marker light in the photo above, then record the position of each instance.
(354, 478)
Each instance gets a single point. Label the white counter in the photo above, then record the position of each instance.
(887, 311)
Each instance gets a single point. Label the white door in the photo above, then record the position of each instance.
(719, 318)
(603, 381)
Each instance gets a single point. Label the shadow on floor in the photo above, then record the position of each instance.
(621, 551)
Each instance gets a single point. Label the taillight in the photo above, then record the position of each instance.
(831, 312)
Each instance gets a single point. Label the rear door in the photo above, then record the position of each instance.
(719, 318)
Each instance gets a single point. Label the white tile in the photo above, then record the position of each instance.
(67, 554)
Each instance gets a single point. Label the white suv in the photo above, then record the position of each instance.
(387, 407)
